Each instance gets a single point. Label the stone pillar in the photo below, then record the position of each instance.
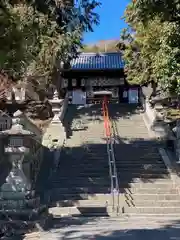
(17, 184)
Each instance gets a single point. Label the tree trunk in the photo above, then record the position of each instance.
(154, 89)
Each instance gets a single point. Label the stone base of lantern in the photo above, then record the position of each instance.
(19, 216)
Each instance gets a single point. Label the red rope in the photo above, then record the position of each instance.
(106, 118)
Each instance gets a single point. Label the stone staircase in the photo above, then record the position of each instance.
(145, 182)
(79, 189)
(81, 184)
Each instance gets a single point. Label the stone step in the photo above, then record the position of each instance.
(140, 150)
(127, 157)
(122, 176)
(154, 197)
(78, 190)
(105, 169)
(151, 190)
(134, 157)
(78, 181)
(150, 203)
(81, 179)
(142, 180)
(128, 170)
(160, 218)
(55, 195)
(95, 153)
(122, 182)
(134, 167)
(144, 176)
(123, 163)
(151, 162)
(96, 156)
(87, 175)
(155, 218)
(142, 167)
(84, 162)
(153, 210)
(79, 184)
(78, 172)
(106, 201)
(160, 184)
(137, 158)
(85, 211)
(133, 187)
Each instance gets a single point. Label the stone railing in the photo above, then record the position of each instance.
(155, 119)
(25, 154)
(160, 125)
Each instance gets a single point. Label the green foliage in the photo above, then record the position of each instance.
(34, 34)
(152, 51)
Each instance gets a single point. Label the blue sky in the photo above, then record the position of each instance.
(110, 21)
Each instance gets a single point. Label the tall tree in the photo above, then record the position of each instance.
(35, 33)
(153, 53)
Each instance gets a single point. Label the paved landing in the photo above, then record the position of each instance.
(110, 229)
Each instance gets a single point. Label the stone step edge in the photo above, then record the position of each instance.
(151, 194)
(132, 191)
(151, 207)
(59, 209)
(121, 194)
(153, 215)
(159, 201)
(148, 188)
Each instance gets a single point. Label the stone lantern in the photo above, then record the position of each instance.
(18, 200)
(17, 146)
(56, 107)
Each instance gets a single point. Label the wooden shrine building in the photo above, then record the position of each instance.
(91, 72)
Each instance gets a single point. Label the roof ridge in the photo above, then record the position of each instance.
(100, 53)
(97, 61)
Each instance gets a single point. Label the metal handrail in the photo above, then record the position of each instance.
(111, 174)
(114, 127)
(116, 176)
(111, 157)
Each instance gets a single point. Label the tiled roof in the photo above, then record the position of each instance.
(96, 61)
